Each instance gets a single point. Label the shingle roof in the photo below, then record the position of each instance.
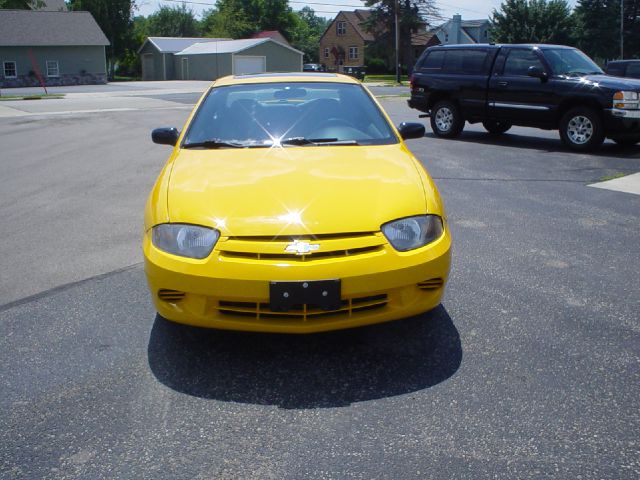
(272, 34)
(26, 28)
(356, 18)
(177, 44)
(229, 46)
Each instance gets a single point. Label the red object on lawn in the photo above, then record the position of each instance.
(34, 64)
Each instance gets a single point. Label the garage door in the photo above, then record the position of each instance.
(243, 65)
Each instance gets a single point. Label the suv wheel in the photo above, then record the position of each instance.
(446, 120)
(495, 127)
(581, 129)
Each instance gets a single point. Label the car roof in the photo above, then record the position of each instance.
(622, 62)
(284, 77)
(502, 45)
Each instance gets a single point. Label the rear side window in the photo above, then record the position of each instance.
(519, 61)
(633, 70)
(468, 62)
(615, 69)
(433, 61)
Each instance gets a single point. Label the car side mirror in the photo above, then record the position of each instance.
(165, 136)
(537, 72)
(411, 130)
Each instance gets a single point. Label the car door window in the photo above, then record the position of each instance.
(463, 61)
(633, 70)
(518, 62)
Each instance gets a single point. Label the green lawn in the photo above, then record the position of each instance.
(386, 79)
(30, 97)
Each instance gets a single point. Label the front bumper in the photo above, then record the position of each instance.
(233, 292)
(622, 123)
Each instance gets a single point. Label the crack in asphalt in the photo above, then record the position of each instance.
(63, 287)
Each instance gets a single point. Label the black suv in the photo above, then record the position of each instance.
(544, 86)
(623, 68)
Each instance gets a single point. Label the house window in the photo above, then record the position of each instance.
(10, 70)
(326, 53)
(53, 69)
(341, 28)
(353, 53)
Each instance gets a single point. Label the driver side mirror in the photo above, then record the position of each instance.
(411, 130)
(165, 136)
(537, 72)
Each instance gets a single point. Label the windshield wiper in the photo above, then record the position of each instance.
(316, 141)
(217, 143)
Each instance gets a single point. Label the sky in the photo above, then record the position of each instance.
(469, 9)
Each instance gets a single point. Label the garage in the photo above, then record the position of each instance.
(211, 60)
(243, 65)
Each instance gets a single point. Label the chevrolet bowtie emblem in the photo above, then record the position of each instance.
(301, 248)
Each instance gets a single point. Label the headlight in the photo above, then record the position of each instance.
(413, 232)
(185, 240)
(627, 100)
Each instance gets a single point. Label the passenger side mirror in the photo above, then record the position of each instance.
(411, 130)
(537, 72)
(165, 136)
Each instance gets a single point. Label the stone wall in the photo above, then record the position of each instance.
(63, 79)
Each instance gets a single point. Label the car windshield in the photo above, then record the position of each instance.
(570, 62)
(288, 114)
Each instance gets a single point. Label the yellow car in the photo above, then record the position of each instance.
(291, 204)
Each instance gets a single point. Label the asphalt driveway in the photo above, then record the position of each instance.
(529, 369)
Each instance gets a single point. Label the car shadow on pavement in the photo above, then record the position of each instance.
(532, 142)
(309, 371)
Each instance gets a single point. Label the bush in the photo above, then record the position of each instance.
(377, 65)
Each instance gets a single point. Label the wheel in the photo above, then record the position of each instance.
(446, 120)
(495, 127)
(627, 141)
(581, 129)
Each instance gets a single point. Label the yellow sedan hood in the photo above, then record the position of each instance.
(295, 190)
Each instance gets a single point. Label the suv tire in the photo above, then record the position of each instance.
(581, 129)
(494, 127)
(446, 119)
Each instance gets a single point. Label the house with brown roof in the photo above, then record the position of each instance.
(344, 42)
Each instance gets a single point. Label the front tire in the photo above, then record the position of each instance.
(495, 127)
(581, 129)
(446, 119)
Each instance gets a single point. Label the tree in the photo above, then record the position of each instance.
(174, 21)
(114, 18)
(413, 16)
(241, 18)
(598, 31)
(533, 21)
(307, 32)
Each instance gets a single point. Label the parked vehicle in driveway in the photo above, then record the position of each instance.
(544, 86)
(291, 204)
(623, 68)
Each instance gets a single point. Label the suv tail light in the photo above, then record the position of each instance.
(411, 84)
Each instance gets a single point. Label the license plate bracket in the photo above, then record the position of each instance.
(322, 294)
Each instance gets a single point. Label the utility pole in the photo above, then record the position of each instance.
(397, 44)
(621, 29)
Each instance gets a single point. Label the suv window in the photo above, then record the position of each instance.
(633, 70)
(518, 62)
(466, 61)
(615, 69)
(433, 61)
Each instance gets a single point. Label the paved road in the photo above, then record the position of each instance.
(530, 369)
